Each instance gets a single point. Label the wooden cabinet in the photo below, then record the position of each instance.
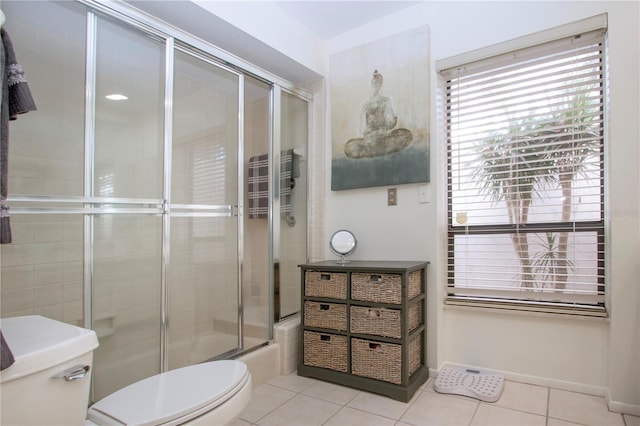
(363, 325)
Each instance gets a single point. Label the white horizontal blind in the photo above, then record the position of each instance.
(526, 178)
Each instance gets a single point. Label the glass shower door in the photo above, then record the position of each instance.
(257, 296)
(124, 175)
(203, 271)
(293, 199)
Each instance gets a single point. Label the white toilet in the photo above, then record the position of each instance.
(49, 384)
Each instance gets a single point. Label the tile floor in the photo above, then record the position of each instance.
(292, 400)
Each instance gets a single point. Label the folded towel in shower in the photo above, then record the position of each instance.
(258, 184)
(6, 355)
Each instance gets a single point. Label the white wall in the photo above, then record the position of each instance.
(591, 355)
(271, 25)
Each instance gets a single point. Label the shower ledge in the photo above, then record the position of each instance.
(103, 325)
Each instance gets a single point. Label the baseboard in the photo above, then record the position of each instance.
(433, 372)
(540, 381)
(622, 407)
(264, 365)
(615, 406)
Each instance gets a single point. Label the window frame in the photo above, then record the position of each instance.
(598, 22)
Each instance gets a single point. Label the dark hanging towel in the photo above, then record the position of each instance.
(6, 358)
(16, 99)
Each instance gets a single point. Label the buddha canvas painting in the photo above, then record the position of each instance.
(380, 113)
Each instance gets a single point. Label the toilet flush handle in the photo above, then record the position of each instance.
(74, 373)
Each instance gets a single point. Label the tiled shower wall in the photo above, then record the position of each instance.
(42, 269)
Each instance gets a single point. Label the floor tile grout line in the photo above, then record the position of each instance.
(352, 398)
(519, 410)
(313, 382)
(474, 413)
(358, 392)
(277, 405)
(548, 404)
(360, 410)
(300, 393)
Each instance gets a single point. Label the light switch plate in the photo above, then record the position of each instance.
(392, 197)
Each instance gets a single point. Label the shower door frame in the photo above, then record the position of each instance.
(128, 14)
(173, 39)
(196, 210)
(93, 205)
(275, 148)
(167, 209)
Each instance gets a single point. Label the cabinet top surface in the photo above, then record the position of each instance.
(366, 265)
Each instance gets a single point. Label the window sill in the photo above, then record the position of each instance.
(497, 308)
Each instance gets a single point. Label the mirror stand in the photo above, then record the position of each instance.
(343, 243)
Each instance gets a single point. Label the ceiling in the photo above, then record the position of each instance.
(325, 18)
(330, 18)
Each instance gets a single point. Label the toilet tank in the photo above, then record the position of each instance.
(50, 380)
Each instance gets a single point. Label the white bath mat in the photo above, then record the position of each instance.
(467, 382)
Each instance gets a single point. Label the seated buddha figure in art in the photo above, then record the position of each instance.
(377, 127)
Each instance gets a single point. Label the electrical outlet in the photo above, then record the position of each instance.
(392, 197)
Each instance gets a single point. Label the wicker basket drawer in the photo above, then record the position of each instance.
(383, 322)
(415, 353)
(325, 284)
(414, 286)
(383, 361)
(325, 315)
(380, 288)
(384, 288)
(325, 350)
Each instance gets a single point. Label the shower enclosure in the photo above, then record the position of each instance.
(129, 215)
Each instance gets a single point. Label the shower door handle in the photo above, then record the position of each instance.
(202, 210)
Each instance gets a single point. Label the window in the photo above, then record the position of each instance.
(525, 158)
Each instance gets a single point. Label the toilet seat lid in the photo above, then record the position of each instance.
(174, 394)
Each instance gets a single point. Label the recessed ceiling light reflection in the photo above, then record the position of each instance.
(116, 97)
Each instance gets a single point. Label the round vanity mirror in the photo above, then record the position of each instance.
(343, 243)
